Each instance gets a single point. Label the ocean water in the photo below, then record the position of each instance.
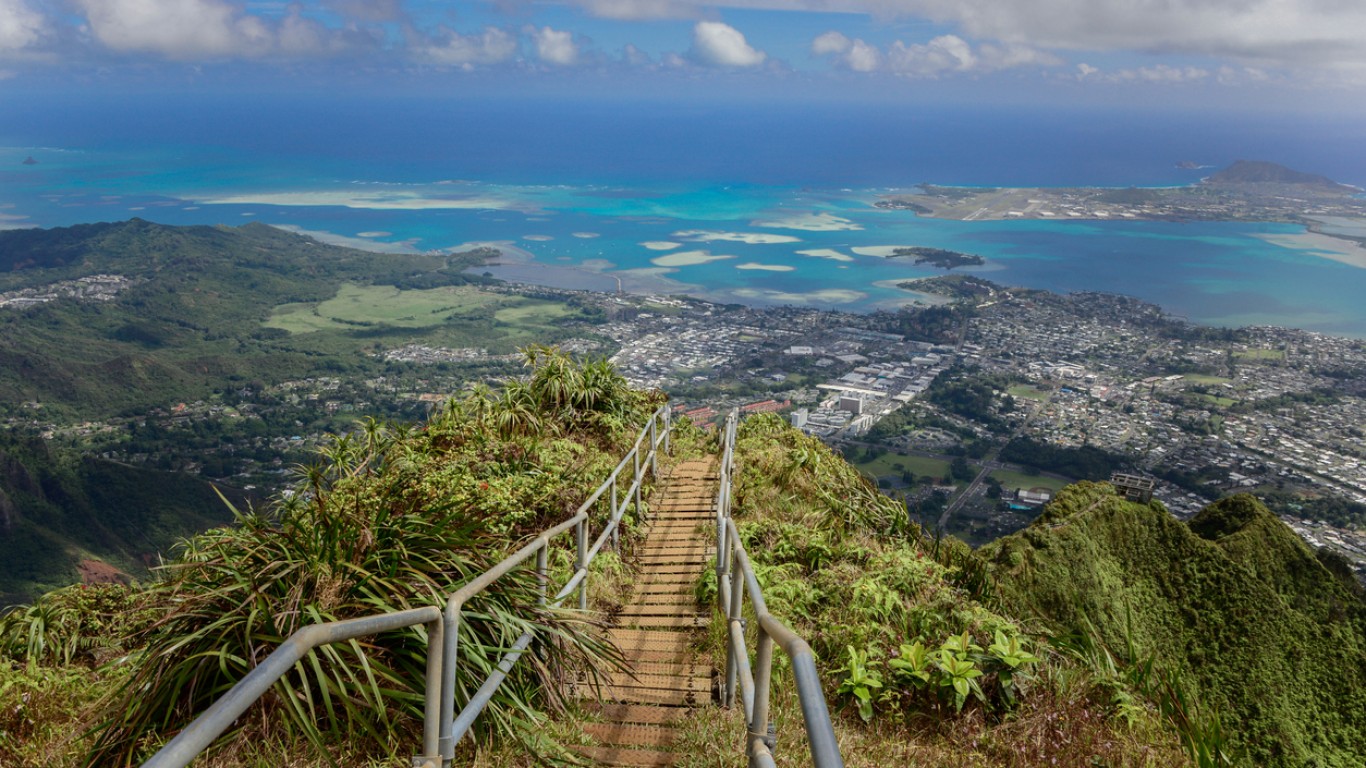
(575, 192)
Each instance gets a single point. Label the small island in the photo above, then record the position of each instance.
(29, 161)
(939, 257)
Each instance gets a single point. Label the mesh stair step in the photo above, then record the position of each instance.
(631, 735)
(627, 757)
(638, 713)
(672, 608)
(691, 621)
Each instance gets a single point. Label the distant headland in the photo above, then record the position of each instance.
(1247, 190)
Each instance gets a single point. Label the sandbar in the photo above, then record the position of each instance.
(380, 201)
(881, 251)
(748, 238)
(374, 234)
(765, 267)
(1318, 244)
(538, 238)
(358, 243)
(810, 222)
(586, 235)
(687, 258)
(826, 253)
(661, 245)
(825, 296)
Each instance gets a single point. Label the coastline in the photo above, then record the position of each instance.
(1326, 246)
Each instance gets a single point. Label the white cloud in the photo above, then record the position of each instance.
(852, 53)
(178, 29)
(1163, 74)
(367, 10)
(946, 53)
(1299, 33)
(20, 26)
(832, 42)
(863, 57)
(555, 46)
(724, 46)
(641, 9)
(634, 56)
(942, 55)
(492, 46)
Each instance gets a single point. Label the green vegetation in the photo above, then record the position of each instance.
(1021, 480)
(1259, 354)
(1085, 463)
(362, 306)
(208, 305)
(1330, 509)
(897, 465)
(939, 257)
(391, 518)
(1233, 605)
(907, 631)
(1202, 379)
(57, 511)
(1028, 392)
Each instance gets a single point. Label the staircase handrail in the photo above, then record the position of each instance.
(735, 573)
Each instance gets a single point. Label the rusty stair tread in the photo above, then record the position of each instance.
(692, 621)
(627, 757)
(685, 669)
(660, 588)
(638, 713)
(667, 697)
(631, 735)
(671, 608)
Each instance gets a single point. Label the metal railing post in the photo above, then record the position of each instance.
(581, 535)
(654, 446)
(758, 720)
(542, 574)
(431, 710)
(449, 654)
(735, 626)
(616, 543)
(640, 481)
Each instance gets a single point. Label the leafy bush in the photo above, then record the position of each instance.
(389, 520)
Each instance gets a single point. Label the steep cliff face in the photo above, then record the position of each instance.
(1234, 601)
(56, 512)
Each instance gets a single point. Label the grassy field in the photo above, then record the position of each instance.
(532, 312)
(1260, 354)
(1010, 479)
(379, 305)
(1222, 402)
(1200, 378)
(1028, 392)
(886, 465)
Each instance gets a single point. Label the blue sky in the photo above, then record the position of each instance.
(1242, 54)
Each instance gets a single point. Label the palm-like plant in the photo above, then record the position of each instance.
(384, 522)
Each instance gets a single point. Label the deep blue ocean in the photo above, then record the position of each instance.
(755, 203)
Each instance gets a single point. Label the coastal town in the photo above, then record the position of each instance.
(1199, 412)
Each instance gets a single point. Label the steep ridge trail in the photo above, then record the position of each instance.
(659, 626)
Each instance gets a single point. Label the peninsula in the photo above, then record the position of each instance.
(1245, 191)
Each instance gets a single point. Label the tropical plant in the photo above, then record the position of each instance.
(861, 679)
(387, 520)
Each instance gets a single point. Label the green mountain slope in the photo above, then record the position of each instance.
(1234, 601)
(56, 512)
(191, 315)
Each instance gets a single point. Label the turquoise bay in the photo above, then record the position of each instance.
(746, 243)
